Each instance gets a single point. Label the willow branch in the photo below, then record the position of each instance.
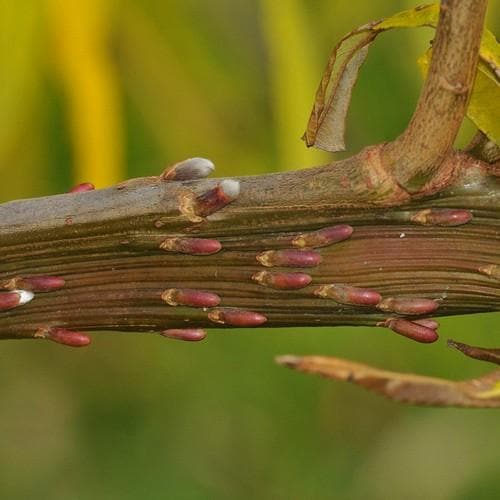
(154, 254)
(417, 157)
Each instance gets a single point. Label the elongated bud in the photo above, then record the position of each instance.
(187, 334)
(15, 298)
(282, 281)
(63, 336)
(236, 317)
(323, 237)
(188, 297)
(191, 246)
(411, 329)
(491, 270)
(350, 295)
(82, 188)
(40, 283)
(442, 217)
(187, 170)
(196, 208)
(408, 305)
(429, 323)
(289, 258)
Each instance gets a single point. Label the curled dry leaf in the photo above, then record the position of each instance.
(480, 353)
(482, 392)
(326, 126)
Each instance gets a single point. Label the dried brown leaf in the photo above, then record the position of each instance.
(482, 392)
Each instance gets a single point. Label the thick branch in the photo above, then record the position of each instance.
(106, 245)
(417, 156)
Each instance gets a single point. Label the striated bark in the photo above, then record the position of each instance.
(119, 249)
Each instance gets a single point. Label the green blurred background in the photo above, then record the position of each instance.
(102, 90)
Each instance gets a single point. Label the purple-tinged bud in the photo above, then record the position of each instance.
(323, 237)
(42, 283)
(411, 329)
(350, 295)
(491, 270)
(196, 208)
(82, 188)
(15, 298)
(442, 217)
(236, 317)
(187, 170)
(289, 258)
(282, 281)
(408, 305)
(192, 298)
(191, 246)
(187, 334)
(429, 323)
(63, 336)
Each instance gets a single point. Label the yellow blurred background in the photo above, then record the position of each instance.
(103, 90)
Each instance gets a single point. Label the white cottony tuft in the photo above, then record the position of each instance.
(231, 188)
(25, 296)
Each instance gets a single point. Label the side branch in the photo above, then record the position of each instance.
(417, 157)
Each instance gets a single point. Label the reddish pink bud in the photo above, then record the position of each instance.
(195, 208)
(236, 317)
(82, 188)
(65, 337)
(429, 323)
(191, 246)
(411, 330)
(289, 258)
(345, 294)
(193, 168)
(323, 237)
(42, 283)
(187, 297)
(187, 334)
(15, 298)
(282, 281)
(408, 306)
(442, 217)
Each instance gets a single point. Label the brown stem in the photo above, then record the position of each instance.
(417, 156)
(106, 246)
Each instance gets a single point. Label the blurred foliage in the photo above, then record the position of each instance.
(101, 90)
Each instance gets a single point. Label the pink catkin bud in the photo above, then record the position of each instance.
(196, 208)
(82, 188)
(412, 330)
(282, 281)
(236, 317)
(442, 217)
(429, 323)
(188, 297)
(66, 337)
(15, 298)
(43, 283)
(186, 334)
(350, 295)
(191, 246)
(408, 305)
(289, 258)
(323, 237)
